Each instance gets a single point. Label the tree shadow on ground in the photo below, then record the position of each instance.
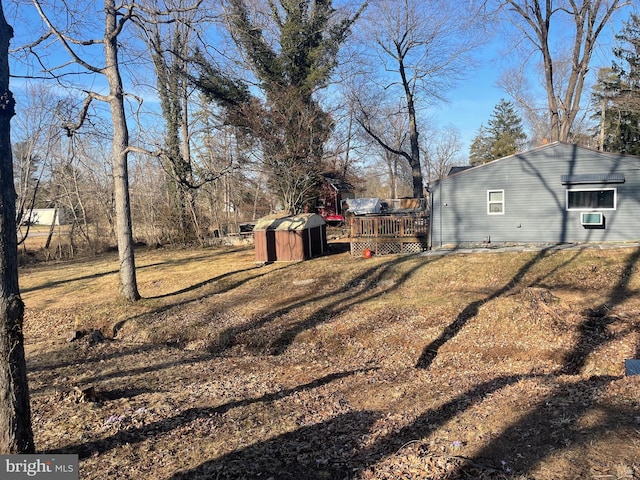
(86, 376)
(118, 326)
(554, 425)
(54, 360)
(555, 409)
(93, 276)
(323, 451)
(361, 289)
(433, 419)
(209, 281)
(366, 282)
(333, 449)
(139, 434)
(470, 311)
(594, 331)
(57, 283)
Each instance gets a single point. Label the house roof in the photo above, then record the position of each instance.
(337, 182)
(458, 168)
(549, 146)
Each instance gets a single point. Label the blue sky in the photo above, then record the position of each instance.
(471, 104)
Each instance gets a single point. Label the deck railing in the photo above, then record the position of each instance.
(389, 226)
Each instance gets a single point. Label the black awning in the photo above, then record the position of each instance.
(592, 178)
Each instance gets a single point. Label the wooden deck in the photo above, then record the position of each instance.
(388, 234)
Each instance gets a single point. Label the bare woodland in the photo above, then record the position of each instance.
(162, 123)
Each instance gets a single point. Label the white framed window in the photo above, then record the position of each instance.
(495, 202)
(592, 199)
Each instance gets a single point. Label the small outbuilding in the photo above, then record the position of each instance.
(292, 238)
(45, 216)
(334, 192)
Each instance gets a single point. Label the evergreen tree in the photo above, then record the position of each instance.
(503, 137)
(480, 150)
(617, 94)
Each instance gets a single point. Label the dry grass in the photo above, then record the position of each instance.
(501, 365)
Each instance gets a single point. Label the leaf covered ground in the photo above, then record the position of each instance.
(480, 366)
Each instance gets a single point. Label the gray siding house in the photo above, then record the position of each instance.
(553, 194)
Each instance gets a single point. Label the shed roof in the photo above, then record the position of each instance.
(293, 222)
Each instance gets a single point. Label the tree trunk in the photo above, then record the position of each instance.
(393, 172)
(603, 118)
(16, 435)
(124, 231)
(414, 160)
(416, 167)
(52, 227)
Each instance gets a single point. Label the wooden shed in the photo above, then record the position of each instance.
(292, 238)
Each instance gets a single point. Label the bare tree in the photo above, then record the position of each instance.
(34, 133)
(423, 48)
(393, 133)
(341, 150)
(94, 194)
(443, 152)
(115, 18)
(44, 162)
(16, 435)
(564, 70)
(237, 194)
(169, 36)
(517, 84)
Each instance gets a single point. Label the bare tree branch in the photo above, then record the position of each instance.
(65, 42)
(534, 18)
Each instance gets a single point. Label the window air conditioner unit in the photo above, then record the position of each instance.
(591, 219)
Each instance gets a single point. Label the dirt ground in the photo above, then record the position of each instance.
(461, 366)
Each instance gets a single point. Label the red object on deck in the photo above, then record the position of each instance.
(333, 218)
(367, 253)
